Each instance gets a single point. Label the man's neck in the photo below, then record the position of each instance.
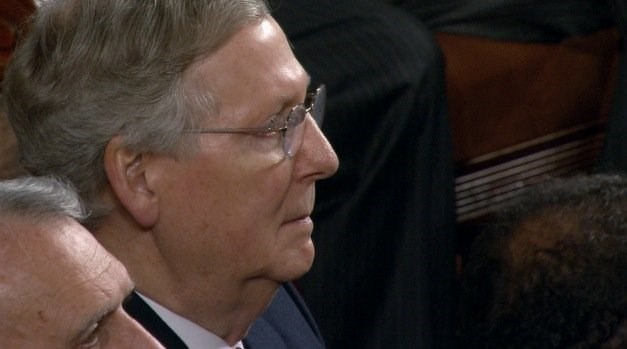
(219, 303)
(190, 333)
(227, 317)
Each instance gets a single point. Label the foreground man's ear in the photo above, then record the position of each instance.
(126, 171)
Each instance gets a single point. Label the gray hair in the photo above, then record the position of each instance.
(40, 198)
(89, 70)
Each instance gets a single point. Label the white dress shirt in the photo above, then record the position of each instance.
(194, 336)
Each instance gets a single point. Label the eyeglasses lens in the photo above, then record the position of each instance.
(293, 137)
(294, 132)
(318, 103)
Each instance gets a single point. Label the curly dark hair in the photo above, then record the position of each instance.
(551, 270)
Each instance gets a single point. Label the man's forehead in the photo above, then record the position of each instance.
(89, 268)
(63, 252)
(254, 64)
(62, 282)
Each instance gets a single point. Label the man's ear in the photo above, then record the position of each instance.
(126, 171)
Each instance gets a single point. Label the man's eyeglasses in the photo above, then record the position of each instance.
(291, 126)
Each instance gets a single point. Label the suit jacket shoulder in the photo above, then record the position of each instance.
(286, 324)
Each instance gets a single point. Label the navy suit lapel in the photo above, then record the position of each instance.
(286, 324)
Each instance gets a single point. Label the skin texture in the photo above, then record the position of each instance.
(211, 235)
(61, 289)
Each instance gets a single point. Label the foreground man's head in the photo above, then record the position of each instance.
(59, 287)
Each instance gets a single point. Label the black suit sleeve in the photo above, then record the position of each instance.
(614, 154)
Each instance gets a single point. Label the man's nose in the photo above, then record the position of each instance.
(316, 154)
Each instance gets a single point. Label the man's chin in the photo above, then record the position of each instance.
(297, 266)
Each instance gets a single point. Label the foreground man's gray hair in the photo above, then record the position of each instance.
(40, 198)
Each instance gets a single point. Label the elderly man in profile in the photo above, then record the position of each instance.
(59, 287)
(189, 130)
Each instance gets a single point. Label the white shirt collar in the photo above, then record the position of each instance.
(194, 336)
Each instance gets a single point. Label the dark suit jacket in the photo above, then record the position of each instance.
(286, 324)
(384, 273)
(512, 20)
(614, 155)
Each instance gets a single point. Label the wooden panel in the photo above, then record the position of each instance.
(520, 112)
(505, 93)
(494, 179)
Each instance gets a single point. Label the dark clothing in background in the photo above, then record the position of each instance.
(614, 155)
(512, 20)
(384, 273)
